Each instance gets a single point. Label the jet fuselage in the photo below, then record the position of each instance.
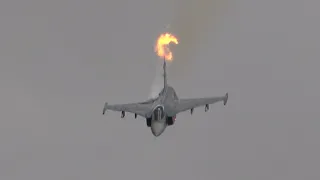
(162, 104)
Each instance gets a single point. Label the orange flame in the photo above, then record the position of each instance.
(161, 47)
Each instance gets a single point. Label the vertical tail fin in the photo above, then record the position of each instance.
(164, 73)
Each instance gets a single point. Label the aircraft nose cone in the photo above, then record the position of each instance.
(157, 128)
(156, 134)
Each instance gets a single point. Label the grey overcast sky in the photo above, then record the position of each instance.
(61, 60)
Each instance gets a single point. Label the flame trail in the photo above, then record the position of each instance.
(162, 44)
(163, 51)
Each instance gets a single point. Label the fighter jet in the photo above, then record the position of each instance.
(161, 111)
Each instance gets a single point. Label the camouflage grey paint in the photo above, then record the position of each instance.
(170, 102)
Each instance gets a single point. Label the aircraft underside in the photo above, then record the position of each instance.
(169, 120)
(158, 126)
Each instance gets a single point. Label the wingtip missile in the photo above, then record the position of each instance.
(104, 108)
(225, 99)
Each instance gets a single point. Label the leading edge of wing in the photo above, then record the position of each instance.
(186, 104)
(136, 108)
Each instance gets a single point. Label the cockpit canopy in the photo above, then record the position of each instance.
(158, 113)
